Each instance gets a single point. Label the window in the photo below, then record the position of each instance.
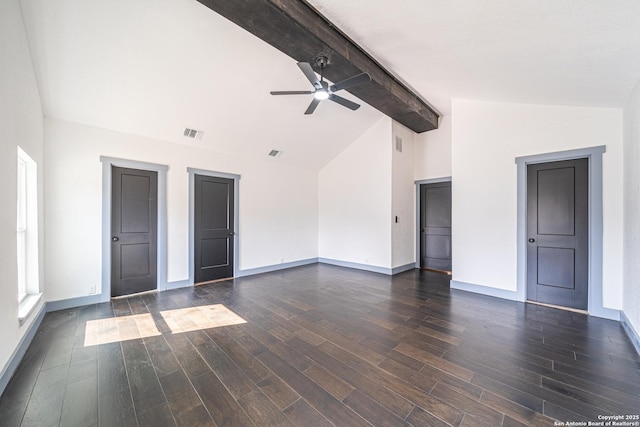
(22, 229)
(27, 234)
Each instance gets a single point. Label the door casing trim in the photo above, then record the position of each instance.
(161, 272)
(418, 183)
(594, 156)
(236, 191)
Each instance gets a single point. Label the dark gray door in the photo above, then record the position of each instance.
(213, 226)
(558, 233)
(435, 226)
(134, 218)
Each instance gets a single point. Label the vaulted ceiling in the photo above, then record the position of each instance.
(154, 67)
(562, 52)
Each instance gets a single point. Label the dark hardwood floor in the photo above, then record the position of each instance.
(322, 345)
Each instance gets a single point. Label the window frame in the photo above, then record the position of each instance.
(27, 242)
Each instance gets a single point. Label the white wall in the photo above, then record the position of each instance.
(20, 125)
(487, 137)
(278, 204)
(631, 276)
(403, 198)
(433, 152)
(355, 200)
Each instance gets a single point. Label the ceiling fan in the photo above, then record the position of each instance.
(322, 89)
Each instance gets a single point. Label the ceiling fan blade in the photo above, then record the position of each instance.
(351, 82)
(344, 102)
(312, 107)
(310, 74)
(291, 92)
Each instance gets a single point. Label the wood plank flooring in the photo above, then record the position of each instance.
(318, 346)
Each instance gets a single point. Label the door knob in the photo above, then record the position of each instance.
(531, 240)
(115, 238)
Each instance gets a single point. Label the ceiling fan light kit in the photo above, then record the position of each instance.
(321, 94)
(322, 90)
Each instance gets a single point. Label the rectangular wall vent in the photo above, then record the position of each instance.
(275, 153)
(193, 133)
(398, 144)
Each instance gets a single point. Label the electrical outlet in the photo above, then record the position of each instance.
(281, 260)
(92, 289)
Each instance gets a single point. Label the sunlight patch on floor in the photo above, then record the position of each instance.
(117, 329)
(202, 317)
(125, 328)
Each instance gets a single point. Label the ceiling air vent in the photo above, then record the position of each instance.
(275, 153)
(193, 133)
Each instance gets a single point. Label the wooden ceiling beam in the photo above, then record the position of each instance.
(298, 30)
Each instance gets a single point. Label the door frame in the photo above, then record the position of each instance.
(419, 183)
(594, 157)
(107, 163)
(192, 202)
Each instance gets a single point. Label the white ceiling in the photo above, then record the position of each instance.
(561, 52)
(154, 67)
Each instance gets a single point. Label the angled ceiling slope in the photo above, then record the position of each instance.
(296, 29)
